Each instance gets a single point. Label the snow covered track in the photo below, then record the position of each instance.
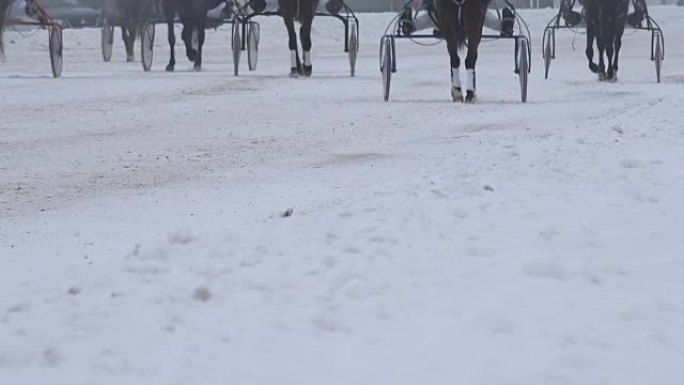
(143, 241)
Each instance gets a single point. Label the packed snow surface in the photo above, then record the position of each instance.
(199, 228)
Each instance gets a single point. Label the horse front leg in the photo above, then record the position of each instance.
(620, 29)
(200, 44)
(474, 33)
(287, 8)
(601, 44)
(172, 43)
(128, 38)
(306, 17)
(591, 35)
(610, 46)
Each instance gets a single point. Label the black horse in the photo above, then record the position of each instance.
(193, 16)
(129, 15)
(459, 20)
(606, 23)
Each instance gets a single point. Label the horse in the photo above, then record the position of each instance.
(459, 20)
(304, 11)
(193, 16)
(129, 15)
(606, 24)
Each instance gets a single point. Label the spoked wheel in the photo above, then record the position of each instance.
(548, 53)
(353, 49)
(386, 65)
(236, 47)
(659, 55)
(55, 47)
(147, 45)
(523, 68)
(107, 40)
(253, 34)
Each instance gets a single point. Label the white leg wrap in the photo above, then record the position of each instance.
(470, 79)
(307, 58)
(293, 59)
(456, 78)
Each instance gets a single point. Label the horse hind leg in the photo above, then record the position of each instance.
(474, 32)
(187, 37)
(591, 35)
(200, 44)
(288, 12)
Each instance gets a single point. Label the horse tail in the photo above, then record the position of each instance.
(460, 29)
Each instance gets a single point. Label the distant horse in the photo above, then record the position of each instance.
(304, 11)
(193, 16)
(605, 23)
(129, 15)
(459, 20)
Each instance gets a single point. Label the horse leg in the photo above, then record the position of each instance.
(126, 36)
(186, 35)
(591, 35)
(450, 29)
(620, 29)
(473, 21)
(287, 8)
(200, 43)
(306, 16)
(172, 42)
(610, 45)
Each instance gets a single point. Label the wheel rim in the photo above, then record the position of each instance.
(353, 49)
(547, 56)
(107, 41)
(55, 47)
(658, 59)
(236, 48)
(147, 45)
(253, 45)
(523, 71)
(387, 69)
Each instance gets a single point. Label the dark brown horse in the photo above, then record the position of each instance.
(129, 15)
(304, 11)
(193, 16)
(459, 20)
(605, 22)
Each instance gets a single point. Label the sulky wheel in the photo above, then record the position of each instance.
(253, 35)
(523, 68)
(236, 47)
(55, 47)
(548, 53)
(107, 40)
(353, 50)
(386, 65)
(147, 45)
(659, 56)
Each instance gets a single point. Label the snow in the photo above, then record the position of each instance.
(191, 227)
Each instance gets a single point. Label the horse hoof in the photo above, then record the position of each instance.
(170, 68)
(192, 54)
(470, 97)
(308, 70)
(602, 76)
(294, 72)
(130, 58)
(456, 95)
(197, 68)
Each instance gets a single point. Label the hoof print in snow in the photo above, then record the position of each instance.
(180, 238)
(287, 213)
(202, 294)
(488, 188)
(74, 290)
(617, 128)
(52, 357)
(631, 163)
